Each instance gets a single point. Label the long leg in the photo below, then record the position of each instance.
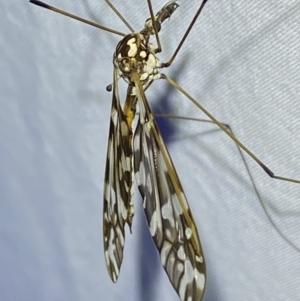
(227, 126)
(62, 12)
(229, 133)
(158, 49)
(119, 15)
(186, 34)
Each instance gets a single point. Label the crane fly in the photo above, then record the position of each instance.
(136, 150)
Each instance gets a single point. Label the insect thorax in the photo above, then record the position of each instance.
(136, 54)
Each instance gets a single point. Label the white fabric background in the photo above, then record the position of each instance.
(241, 61)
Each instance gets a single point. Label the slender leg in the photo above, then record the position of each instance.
(119, 15)
(62, 12)
(227, 126)
(158, 49)
(186, 34)
(229, 133)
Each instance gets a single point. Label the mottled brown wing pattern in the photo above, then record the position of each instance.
(118, 206)
(169, 217)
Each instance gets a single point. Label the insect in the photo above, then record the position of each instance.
(144, 154)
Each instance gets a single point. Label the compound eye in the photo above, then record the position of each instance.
(158, 26)
(149, 26)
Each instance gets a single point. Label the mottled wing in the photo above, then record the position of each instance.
(118, 206)
(169, 217)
